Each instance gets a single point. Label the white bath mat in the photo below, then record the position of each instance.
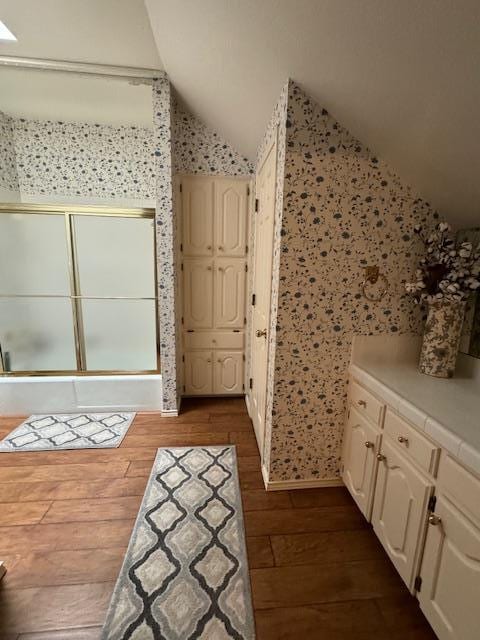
(69, 431)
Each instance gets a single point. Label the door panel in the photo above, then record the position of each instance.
(400, 510)
(228, 372)
(229, 293)
(198, 373)
(359, 460)
(230, 217)
(198, 294)
(262, 283)
(450, 590)
(197, 208)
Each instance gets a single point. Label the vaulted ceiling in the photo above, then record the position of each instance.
(403, 76)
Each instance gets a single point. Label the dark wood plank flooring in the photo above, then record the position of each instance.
(317, 569)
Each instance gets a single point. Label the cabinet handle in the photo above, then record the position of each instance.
(403, 440)
(435, 520)
(369, 444)
(381, 457)
(261, 333)
(362, 403)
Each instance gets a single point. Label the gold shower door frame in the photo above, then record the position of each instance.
(76, 298)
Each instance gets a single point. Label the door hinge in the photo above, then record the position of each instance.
(182, 319)
(184, 388)
(248, 190)
(432, 503)
(246, 248)
(246, 268)
(182, 266)
(256, 205)
(254, 298)
(244, 321)
(243, 387)
(181, 247)
(250, 383)
(183, 358)
(181, 187)
(418, 583)
(243, 358)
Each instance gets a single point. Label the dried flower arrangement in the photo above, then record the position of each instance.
(448, 272)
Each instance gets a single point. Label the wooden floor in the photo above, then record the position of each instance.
(317, 570)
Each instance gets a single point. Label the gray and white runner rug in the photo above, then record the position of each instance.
(185, 574)
(69, 431)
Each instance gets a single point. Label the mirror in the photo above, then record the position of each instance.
(470, 343)
(75, 138)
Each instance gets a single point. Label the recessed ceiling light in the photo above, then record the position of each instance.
(5, 33)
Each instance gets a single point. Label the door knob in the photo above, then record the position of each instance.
(369, 444)
(261, 333)
(381, 457)
(433, 519)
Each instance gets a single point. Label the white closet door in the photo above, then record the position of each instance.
(228, 372)
(198, 373)
(198, 294)
(229, 293)
(197, 208)
(400, 510)
(230, 217)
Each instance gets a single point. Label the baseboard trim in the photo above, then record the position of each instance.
(170, 413)
(309, 483)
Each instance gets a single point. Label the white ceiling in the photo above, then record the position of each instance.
(51, 95)
(403, 76)
(113, 32)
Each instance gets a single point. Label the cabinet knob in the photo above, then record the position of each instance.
(220, 361)
(381, 457)
(220, 248)
(362, 403)
(209, 248)
(209, 361)
(403, 440)
(209, 268)
(369, 444)
(261, 333)
(221, 269)
(433, 519)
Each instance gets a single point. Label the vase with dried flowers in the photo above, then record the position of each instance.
(446, 277)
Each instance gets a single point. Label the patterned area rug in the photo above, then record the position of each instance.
(70, 431)
(185, 574)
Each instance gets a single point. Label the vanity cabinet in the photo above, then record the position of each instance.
(424, 507)
(361, 446)
(400, 510)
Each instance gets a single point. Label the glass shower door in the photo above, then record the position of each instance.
(36, 314)
(115, 271)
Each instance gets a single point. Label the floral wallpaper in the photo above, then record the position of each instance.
(8, 166)
(166, 233)
(199, 150)
(343, 209)
(80, 159)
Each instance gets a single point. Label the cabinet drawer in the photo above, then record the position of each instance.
(217, 340)
(366, 403)
(461, 486)
(412, 443)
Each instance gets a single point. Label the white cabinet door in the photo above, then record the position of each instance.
(360, 449)
(229, 293)
(197, 216)
(450, 592)
(400, 510)
(198, 294)
(228, 372)
(198, 373)
(230, 217)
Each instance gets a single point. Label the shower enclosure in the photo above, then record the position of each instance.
(78, 309)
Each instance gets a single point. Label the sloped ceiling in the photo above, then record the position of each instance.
(403, 76)
(113, 32)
